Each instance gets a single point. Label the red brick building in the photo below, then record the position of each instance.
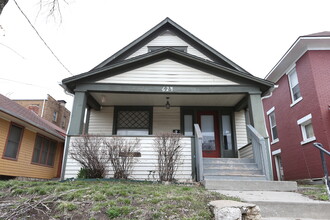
(50, 109)
(297, 111)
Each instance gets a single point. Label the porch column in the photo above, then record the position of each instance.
(78, 113)
(257, 114)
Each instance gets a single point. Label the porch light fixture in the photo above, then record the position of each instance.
(103, 99)
(167, 105)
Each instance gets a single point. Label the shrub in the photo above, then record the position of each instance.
(91, 155)
(168, 149)
(122, 154)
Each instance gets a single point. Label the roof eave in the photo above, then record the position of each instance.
(298, 49)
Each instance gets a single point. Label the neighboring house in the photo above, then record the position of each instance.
(50, 109)
(165, 82)
(30, 146)
(297, 111)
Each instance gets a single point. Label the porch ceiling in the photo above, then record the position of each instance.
(111, 99)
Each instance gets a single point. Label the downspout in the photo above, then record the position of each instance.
(268, 139)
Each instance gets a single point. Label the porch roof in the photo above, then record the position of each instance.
(71, 83)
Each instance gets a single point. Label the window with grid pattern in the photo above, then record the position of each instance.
(133, 121)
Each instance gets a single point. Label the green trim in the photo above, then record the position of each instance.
(167, 53)
(158, 89)
(242, 104)
(132, 108)
(257, 114)
(168, 24)
(78, 113)
(91, 102)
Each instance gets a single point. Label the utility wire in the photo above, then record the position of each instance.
(43, 39)
(29, 84)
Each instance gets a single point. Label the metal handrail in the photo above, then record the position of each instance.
(324, 165)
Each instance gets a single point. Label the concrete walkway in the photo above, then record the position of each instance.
(283, 205)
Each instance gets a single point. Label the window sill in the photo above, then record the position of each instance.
(9, 158)
(275, 141)
(308, 140)
(295, 102)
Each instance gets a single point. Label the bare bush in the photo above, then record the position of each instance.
(91, 155)
(168, 150)
(122, 154)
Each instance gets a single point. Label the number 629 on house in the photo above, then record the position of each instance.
(167, 89)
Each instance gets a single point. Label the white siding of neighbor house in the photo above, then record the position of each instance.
(167, 72)
(100, 122)
(240, 124)
(168, 39)
(165, 120)
(146, 163)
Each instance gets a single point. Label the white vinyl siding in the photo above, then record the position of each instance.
(146, 163)
(167, 72)
(240, 126)
(168, 39)
(101, 122)
(165, 120)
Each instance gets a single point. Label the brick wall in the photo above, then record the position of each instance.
(301, 161)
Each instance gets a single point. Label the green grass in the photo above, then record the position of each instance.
(111, 199)
(317, 192)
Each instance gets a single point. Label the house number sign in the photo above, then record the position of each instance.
(167, 89)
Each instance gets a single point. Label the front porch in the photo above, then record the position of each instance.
(222, 119)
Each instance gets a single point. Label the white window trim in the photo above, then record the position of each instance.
(302, 122)
(295, 102)
(293, 69)
(270, 111)
(275, 152)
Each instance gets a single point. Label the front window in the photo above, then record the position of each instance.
(44, 151)
(306, 129)
(133, 120)
(13, 141)
(294, 86)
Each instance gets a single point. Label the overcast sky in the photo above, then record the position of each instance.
(253, 34)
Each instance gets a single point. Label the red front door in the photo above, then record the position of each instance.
(208, 122)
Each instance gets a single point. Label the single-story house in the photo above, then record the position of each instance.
(30, 146)
(169, 81)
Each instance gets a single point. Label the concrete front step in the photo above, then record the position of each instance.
(283, 205)
(235, 177)
(226, 160)
(225, 172)
(243, 166)
(249, 185)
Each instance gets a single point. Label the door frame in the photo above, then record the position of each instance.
(217, 152)
(193, 110)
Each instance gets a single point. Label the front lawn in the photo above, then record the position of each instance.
(103, 200)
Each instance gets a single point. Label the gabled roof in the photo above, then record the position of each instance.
(316, 41)
(15, 110)
(151, 57)
(168, 24)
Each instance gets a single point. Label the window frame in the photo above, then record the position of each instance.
(40, 155)
(289, 74)
(55, 116)
(180, 48)
(271, 112)
(19, 143)
(303, 122)
(117, 109)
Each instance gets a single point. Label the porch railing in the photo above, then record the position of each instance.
(324, 165)
(260, 151)
(199, 153)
